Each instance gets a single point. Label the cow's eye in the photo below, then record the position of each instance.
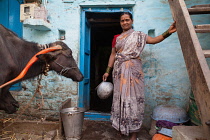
(67, 55)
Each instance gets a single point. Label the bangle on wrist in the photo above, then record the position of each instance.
(166, 34)
(108, 70)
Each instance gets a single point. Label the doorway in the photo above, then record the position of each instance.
(98, 27)
(103, 28)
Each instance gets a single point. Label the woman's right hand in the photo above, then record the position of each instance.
(105, 76)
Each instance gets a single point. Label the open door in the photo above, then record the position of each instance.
(84, 86)
(10, 18)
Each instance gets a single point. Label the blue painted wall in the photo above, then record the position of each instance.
(166, 77)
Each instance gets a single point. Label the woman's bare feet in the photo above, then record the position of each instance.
(133, 136)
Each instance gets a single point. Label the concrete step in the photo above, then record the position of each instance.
(188, 133)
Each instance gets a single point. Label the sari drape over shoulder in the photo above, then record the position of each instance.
(128, 99)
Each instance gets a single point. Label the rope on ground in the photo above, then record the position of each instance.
(39, 78)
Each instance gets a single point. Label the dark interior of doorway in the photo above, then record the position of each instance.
(103, 28)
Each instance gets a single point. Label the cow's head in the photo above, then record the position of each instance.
(62, 62)
(8, 103)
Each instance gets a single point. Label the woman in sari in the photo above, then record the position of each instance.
(128, 99)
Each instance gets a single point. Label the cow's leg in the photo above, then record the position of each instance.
(7, 102)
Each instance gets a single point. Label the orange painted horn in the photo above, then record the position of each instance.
(29, 64)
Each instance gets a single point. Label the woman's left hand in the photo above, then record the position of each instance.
(172, 28)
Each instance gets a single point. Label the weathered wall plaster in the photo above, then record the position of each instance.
(166, 78)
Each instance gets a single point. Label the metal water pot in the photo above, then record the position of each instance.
(104, 89)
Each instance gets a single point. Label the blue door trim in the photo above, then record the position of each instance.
(96, 116)
(84, 63)
(16, 26)
(84, 92)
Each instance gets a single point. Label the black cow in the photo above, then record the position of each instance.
(15, 54)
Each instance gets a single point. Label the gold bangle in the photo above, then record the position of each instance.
(166, 34)
(108, 70)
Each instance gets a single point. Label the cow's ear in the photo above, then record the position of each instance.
(46, 57)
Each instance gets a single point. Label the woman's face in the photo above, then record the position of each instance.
(126, 22)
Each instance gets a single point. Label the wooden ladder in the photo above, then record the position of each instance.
(195, 57)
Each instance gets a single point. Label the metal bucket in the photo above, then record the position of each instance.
(72, 119)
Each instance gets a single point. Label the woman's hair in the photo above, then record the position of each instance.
(127, 13)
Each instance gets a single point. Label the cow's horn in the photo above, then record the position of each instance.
(58, 46)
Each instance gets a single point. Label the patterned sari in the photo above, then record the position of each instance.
(128, 100)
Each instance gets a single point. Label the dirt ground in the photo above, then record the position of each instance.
(37, 130)
(96, 130)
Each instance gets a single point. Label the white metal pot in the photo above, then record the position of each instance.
(104, 90)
